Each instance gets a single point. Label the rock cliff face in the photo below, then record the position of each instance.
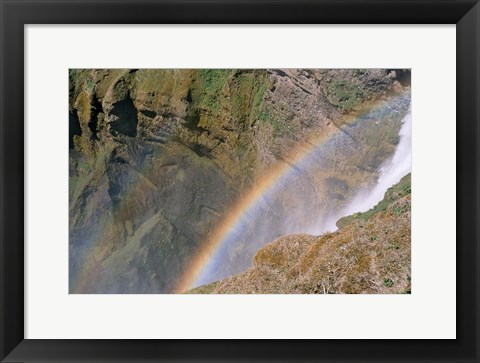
(369, 254)
(157, 157)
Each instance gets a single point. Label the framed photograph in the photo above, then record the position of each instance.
(239, 181)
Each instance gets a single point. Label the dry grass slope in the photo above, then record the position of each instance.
(369, 254)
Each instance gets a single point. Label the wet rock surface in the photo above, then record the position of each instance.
(157, 157)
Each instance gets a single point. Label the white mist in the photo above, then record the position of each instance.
(391, 172)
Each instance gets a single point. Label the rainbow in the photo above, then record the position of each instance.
(233, 218)
(227, 227)
(243, 208)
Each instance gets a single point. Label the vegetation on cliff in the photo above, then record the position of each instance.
(158, 156)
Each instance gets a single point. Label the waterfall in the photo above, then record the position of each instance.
(291, 202)
(390, 173)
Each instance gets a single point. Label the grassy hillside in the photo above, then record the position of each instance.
(368, 254)
(159, 156)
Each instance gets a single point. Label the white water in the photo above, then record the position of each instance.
(257, 226)
(391, 172)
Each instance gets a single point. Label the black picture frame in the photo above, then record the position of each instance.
(15, 14)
